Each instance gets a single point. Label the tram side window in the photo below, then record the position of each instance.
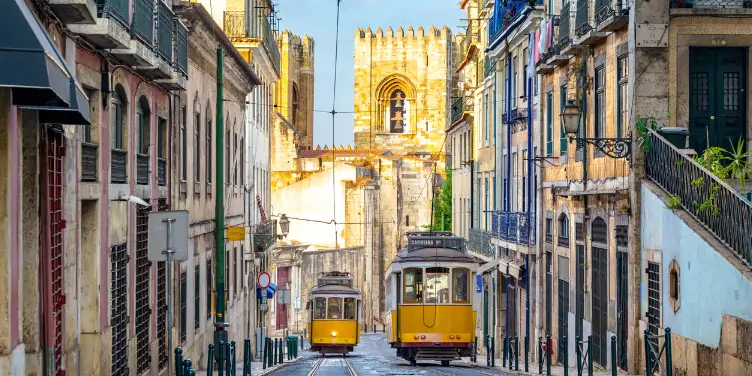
(349, 309)
(319, 312)
(413, 285)
(335, 309)
(437, 285)
(460, 285)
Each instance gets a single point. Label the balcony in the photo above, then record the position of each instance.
(89, 153)
(260, 30)
(165, 31)
(457, 110)
(142, 169)
(480, 242)
(110, 30)
(710, 7)
(118, 166)
(583, 25)
(507, 16)
(489, 66)
(161, 171)
(142, 27)
(563, 241)
(515, 227)
(611, 15)
(564, 42)
(710, 200)
(264, 236)
(74, 11)
(178, 79)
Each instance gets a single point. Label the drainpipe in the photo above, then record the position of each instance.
(508, 187)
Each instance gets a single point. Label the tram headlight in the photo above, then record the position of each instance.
(458, 336)
(423, 336)
(334, 334)
(451, 337)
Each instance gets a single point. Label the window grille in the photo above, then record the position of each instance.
(162, 301)
(599, 231)
(183, 306)
(119, 309)
(622, 236)
(579, 231)
(143, 309)
(579, 312)
(600, 305)
(654, 300)
(209, 281)
(197, 297)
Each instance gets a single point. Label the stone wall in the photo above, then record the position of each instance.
(733, 357)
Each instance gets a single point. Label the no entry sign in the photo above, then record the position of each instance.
(264, 280)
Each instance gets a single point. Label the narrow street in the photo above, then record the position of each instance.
(374, 357)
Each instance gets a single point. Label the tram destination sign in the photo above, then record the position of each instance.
(420, 242)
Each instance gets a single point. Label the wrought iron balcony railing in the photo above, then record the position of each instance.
(565, 27)
(489, 66)
(142, 169)
(582, 18)
(114, 9)
(563, 241)
(165, 31)
(161, 171)
(710, 200)
(264, 235)
(517, 227)
(711, 4)
(480, 242)
(458, 109)
(142, 26)
(89, 154)
(506, 15)
(549, 238)
(118, 166)
(181, 47)
(608, 8)
(237, 27)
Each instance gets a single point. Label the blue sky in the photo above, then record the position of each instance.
(317, 18)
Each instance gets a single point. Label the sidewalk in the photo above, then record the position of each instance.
(556, 370)
(257, 367)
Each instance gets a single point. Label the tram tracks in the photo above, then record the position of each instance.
(332, 367)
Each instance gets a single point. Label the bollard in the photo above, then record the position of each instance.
(527, 349)
(566, 355)
(613, 355)
(516, 353)
(229, 359)
(275, 356)
(669, 359)
(578, 353)
(187, 367)
(221, 359)
(493, 351)
(178, 361)
(271, 352)
(264, 350)
(210, 361)
(540, 355)
(504, 354)
(281, 351)
(191, 372)
(301, 342)
(590, 355)
(488, 353)
(548, 355)
(247, 357)
(475, 349)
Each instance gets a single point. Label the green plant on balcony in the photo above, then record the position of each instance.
(644, 138)
(736, 162)
(673, 202)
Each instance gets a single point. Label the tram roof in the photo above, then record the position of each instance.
(334, 290)
(433, 254)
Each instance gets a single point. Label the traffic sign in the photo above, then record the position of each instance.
(478, 283)
(263, 280)
(236, 233)
(158, 235)
(263, 307)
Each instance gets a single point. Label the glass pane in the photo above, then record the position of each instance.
(460, 281)
(334, 310)
(413, 286)
(437, 285)
(349, 308)
(319, 310)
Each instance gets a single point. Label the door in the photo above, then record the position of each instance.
(622, 288)
(600, 305)
(282, 283)
(717, 78)
(563, 313)
(579, 298)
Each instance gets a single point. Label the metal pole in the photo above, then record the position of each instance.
(669, 359)
(220, 334)
(168, 271)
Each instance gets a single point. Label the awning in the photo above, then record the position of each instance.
(35, 71)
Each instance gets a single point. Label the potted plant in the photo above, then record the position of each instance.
(736, 166)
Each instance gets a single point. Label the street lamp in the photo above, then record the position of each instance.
(284, 225)
(613, 147)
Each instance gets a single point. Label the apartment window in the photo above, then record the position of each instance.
(142, 113)
(197, 147)
(485, 205)
(514, 181)
(197, 297)
(562, 133)
(239, 268)
(622, 96)
(515, 82)
(183, 305)
(487, 114)
(600, 102)
(161, 137)
(524, 73)
(236, 164)
(242, 161)
(208, 158)
(183, 145)
(209, 280)
(118, 109)
(549, 230)
(228, 279)
(477, 217)
(549, 124)
(235, 270)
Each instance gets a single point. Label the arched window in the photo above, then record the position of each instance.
(599, 231)
(143, 116)
(399, 112)
(563, 236)
(295, 105)
(117, 116)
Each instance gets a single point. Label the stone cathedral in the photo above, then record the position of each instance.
(356, 202)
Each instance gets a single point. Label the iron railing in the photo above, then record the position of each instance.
(142, 26)
(565, 27)
(142, 169)
(480, 242)
(563, 241)
(582, 18)
(264, 236)
(489, 66)
(517, 227)
(236, 27)
(161, 171)
(457, 110)
(608, 8)
(711, 4)
(118, 166)
(181, 47)
(506, 15)
(89, 161)
(165, 31)
(715, 204)
(115, 9)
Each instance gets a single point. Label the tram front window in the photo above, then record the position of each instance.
(319, 310)
(334, 312)
(460, 284)
(437, 285)
(413, 285)
(349, 308)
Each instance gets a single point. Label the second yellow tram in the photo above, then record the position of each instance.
(334, 321)
(429, 299)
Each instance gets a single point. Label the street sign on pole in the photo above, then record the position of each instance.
(164, 225)
(263, 281)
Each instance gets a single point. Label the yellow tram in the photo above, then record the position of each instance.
(334, 314)
(429, 308)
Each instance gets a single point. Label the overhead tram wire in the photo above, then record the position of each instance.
(334, 112)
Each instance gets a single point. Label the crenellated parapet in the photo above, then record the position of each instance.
(442, 32)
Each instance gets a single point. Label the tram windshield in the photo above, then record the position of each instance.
(349, 308)
(334, 311)
(319, 312)
(437, 285)
(460, 282)
(413, 285)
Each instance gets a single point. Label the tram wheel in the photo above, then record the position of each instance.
(413, 363)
